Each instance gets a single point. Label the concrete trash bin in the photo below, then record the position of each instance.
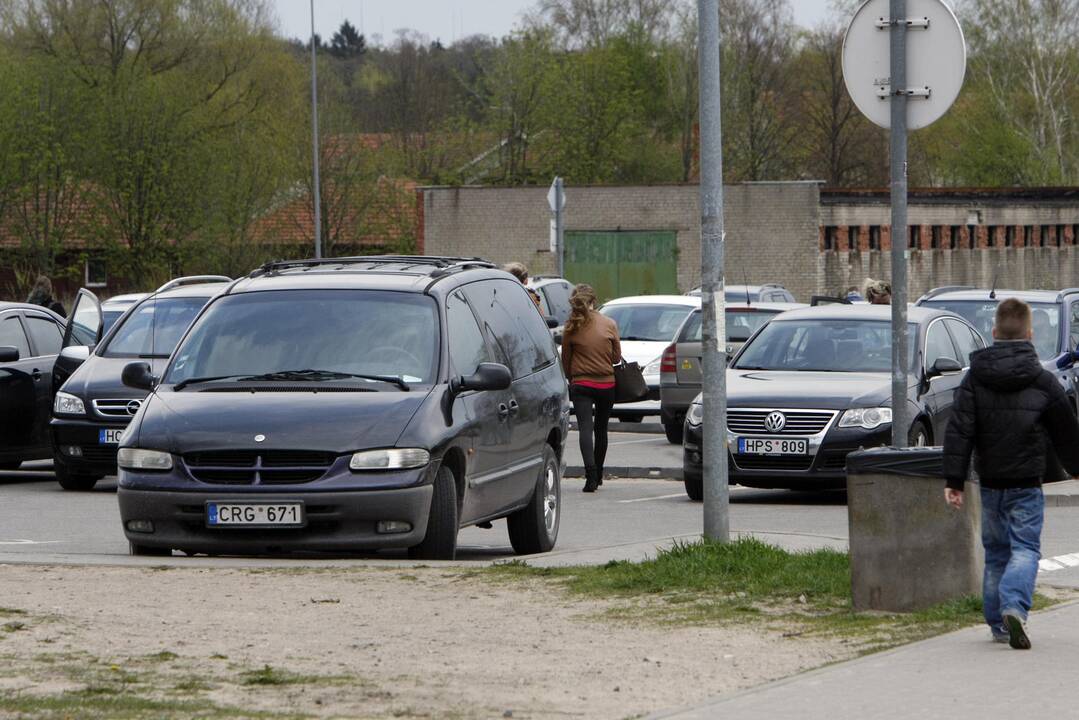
(908, 549)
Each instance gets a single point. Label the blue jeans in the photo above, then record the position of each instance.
(1011, 535)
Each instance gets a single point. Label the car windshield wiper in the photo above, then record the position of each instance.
(156, 356)
(633, 338)
(197, 380)
(321, 375)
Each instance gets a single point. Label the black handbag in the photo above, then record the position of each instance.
(629, 384)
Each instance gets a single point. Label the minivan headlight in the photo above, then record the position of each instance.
(68, 404)
(868, 418)
(695, 416)
(140, 459)
(389, 459)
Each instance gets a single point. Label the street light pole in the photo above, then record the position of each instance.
(714, 335)
(314, 137)
(898, 99)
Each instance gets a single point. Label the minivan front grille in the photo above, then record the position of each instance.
(796, 422)
(257, 467)
(122, 408)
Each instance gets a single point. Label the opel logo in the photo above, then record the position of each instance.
(775, 422)
(260, 438)
(133, 407)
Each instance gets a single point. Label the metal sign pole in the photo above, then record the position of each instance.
(714, 440)
(559, 203)
(898, 100)
(314, 137)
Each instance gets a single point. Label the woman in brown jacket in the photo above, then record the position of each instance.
(590, 349)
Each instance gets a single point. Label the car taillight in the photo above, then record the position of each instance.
(666, 363)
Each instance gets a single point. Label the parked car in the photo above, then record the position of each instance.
(114, 307)
(1056, 323)
(350, 403)
(554, 295)
(680, 367)
(646, 325)
(30, 340)
(814, 385)
(93, 406)
(769, 292)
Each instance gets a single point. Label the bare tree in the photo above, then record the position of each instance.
(594, 23)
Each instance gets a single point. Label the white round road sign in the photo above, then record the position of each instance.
(936, 61)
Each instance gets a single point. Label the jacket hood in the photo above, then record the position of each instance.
(1007, 366)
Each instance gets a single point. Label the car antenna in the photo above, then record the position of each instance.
(993, 291)
(745, 284)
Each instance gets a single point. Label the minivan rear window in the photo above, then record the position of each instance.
(365, 332)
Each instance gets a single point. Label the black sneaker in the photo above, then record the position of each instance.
(1017, 631)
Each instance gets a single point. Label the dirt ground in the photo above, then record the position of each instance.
(364, 642)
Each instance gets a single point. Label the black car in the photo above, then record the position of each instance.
(30, 339)
(93, 406)
(345, 404)
(814, 385)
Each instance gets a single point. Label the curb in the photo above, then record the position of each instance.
(623, 427)
(1062, 500)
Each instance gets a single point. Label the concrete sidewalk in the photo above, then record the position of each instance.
(959, 676)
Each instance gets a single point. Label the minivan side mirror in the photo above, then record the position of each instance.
(138, 375)
(944, 366)
(8, 353)
(488, 376)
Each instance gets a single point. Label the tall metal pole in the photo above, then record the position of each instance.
(314, 137)
(716, 492)
(900, 412)
(558, 224)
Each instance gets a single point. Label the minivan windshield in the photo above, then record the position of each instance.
(982, 313)
(154, 328)
(825, 346)
(652, 322)
(287, 332)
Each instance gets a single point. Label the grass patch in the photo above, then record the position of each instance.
(11, 612)
(748, 581)
(269, 675)
(94, 705)
(163, 656)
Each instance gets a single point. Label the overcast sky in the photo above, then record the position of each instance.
(446, 20)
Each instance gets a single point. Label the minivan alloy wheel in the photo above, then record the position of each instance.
(550, 499)
(534, 528)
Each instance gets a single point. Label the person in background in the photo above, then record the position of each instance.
(1008, 412)
(520, 271)
(877, 292)
(854, 295)
(41, 295)
(590, 350)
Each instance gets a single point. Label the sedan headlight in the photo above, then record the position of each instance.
(68, 404)
(695, 416)
(139, 459)
(868, 418)
(390, 459)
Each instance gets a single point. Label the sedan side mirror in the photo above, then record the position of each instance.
(76, 354)
(944, 366)
(8, 353)
(138, 375)
(552, 322)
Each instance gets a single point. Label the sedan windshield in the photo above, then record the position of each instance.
(647, 321)
(294, 335)
(981, 314)
(824, 346)
(154, 328)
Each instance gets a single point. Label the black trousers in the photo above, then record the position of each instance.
(592, 407)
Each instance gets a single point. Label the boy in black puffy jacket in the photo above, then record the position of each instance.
(1007, 409)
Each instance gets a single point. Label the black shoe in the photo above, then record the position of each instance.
(1017, 631)
(599, 476)
(590, 483)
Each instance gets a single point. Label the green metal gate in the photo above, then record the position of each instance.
(618, 264)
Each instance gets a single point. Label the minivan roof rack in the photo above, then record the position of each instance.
(191, 280)
(439, 264)
(944, 289)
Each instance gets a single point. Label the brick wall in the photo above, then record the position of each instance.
(772, 228)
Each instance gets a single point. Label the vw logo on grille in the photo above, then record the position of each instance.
(775, 422)
(133, 407)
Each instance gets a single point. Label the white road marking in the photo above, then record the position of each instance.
(658, 497)
(29, 542)
(1060, 562)
(631, 442)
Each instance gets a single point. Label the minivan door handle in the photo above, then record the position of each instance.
(503, 411)
(514, 407)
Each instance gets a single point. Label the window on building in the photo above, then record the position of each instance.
(936, 237)
(96, 276)
(1060, 235)
(1009, 236)
(831, 233)
(874, 237)
(1044, 235)
(955, 233)
(1028, 236)
(915, 234)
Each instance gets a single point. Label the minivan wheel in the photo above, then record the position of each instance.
(674, 432)
(919, 436)
(72, 481)
(146, 551)
(534, 529)
(694, 487)
(440, 542)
